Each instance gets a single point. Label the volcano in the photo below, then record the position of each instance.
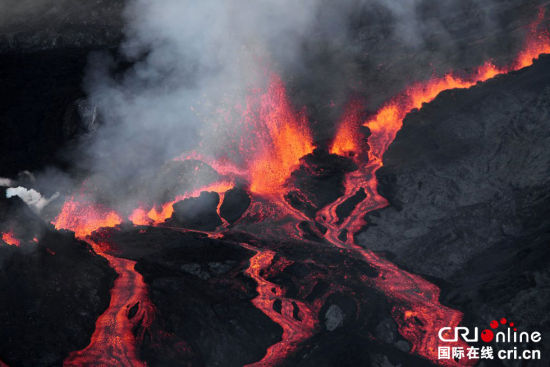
(366, 241)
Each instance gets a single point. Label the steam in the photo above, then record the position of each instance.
(31, 197)
(192, 62)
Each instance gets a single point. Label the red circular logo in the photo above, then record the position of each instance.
(487, 335)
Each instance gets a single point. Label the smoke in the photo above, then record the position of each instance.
(185, 65)
(189, 61)
(31, 197)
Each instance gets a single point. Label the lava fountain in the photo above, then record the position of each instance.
(276, 136)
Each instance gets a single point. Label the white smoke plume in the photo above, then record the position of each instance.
(31, 197)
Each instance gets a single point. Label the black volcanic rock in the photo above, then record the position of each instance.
(52, 289)
(318, 181)
(235, 203)
(39, 108)
(44, 49)
(53, 24)
(197, 213)
(345, 209)
(469, 182)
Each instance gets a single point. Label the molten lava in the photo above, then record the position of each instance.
(294, 330)
(388, 120)
(280, 137)
(155, 216)
(113, 342)
(277, 138)
(10, 239)
(347, 141)
(418, 311)
(83, 217)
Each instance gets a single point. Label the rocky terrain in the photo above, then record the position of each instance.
(467, 179)
(469, 186)
(52, 290)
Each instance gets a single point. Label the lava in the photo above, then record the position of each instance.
(156, 216)
(417, 310)
(294, 330)
(385, 124)
(347, 141)
(10, 239)
(84, 217)
(272, 138)
(276, 139)
(113, 342)
(280, 137)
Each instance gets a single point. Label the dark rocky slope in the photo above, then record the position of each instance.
(52, 290)
(468, 179)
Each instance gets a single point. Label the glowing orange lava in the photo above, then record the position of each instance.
(279, 137)
(283, 137)
(155, 216)
(294, 331)
(388, 120)
(10, 239)
(83, 217)
(113, 342)
(347, 141)
(417, 301)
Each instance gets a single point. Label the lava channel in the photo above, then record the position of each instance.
(294, 331)
(113, 342)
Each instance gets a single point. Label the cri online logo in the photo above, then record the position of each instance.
(510, 335)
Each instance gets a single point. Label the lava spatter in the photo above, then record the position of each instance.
(10, 239)
(84, 217)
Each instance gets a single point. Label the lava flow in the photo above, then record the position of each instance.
(295, 330)
(416, 300)
(275, 138)
(113, 342)
(156, 216)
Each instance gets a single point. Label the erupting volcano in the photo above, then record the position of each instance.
(253, 245)
(277, 137)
